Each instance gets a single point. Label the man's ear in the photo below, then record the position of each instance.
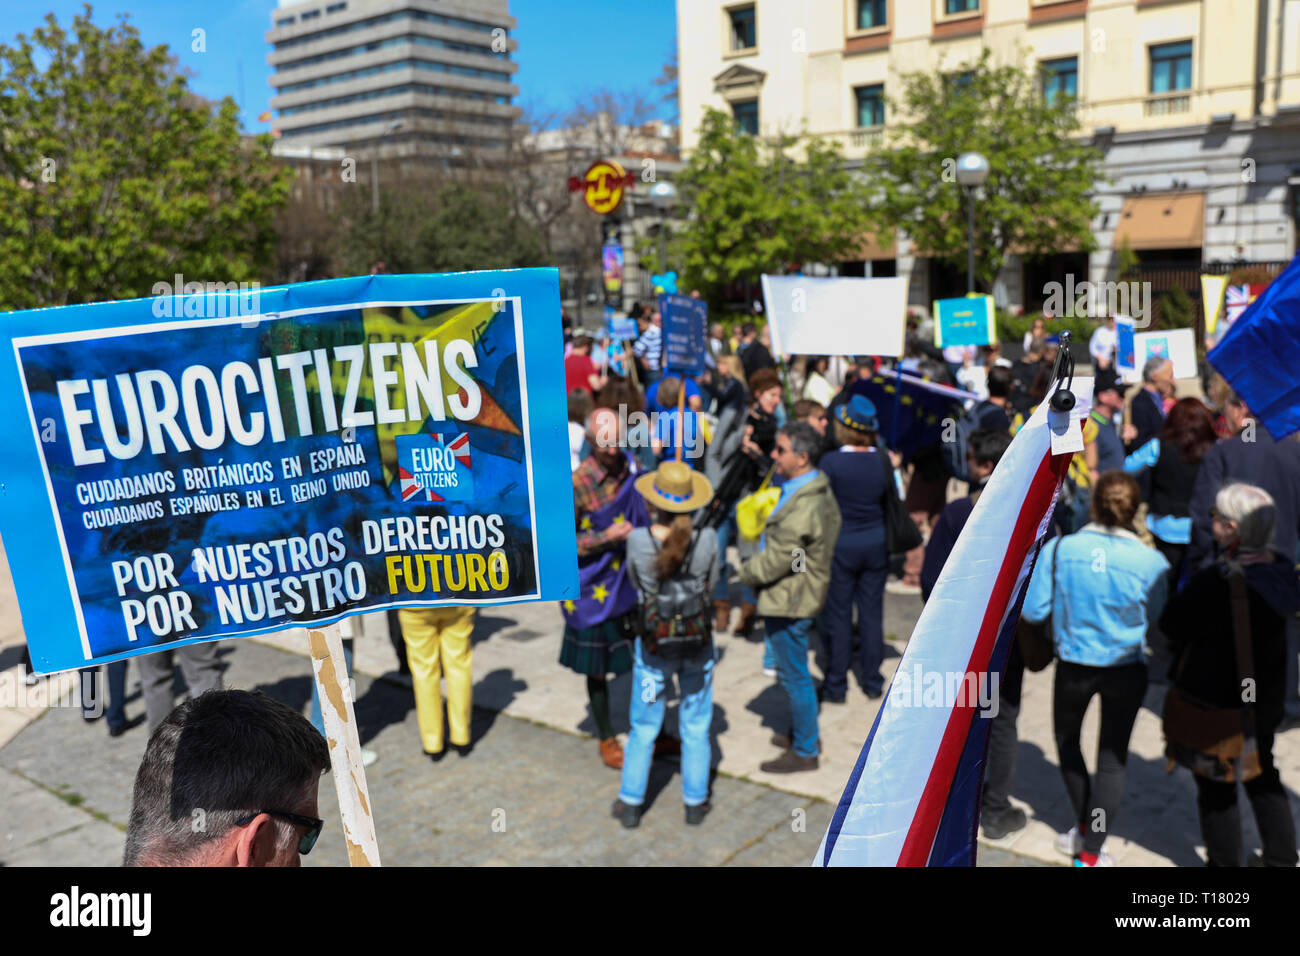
(256, 846)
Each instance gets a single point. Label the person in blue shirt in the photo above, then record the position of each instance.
(694, 398)
(1102, 587)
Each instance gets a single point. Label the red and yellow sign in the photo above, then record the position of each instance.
(602, 185)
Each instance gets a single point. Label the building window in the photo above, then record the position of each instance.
(1060, 78)
(959, 81)
(744, 28)
(951, 7)
(871, 105)
(336, 7)
(286, 22)
(1171, 67)
(746, 116)
(309, 14)
(871, 14)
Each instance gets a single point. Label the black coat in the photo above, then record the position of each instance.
(1273, 466)
(1198, 623)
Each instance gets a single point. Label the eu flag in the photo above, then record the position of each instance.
(604, 589)
(922, 406)
(1260, 354)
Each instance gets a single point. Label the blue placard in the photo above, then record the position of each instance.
(685, 333)
(215, 465)
(965, 321)
(622, 328)
(1126, 345)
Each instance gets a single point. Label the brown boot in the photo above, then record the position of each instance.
(611, 753)
(746, 624)
(721, 616)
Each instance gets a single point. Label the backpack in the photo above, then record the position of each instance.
(676, 621)
(954, 452)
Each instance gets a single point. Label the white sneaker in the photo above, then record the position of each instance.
(368, 757)
(1069, 843)
(769, 671)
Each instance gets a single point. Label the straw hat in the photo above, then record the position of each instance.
(675, 487)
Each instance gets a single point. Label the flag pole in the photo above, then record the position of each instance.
(334, 690)
(681, 417)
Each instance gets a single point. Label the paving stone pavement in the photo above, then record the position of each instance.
(535, 761)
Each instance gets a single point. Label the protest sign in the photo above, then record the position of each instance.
(622, 328)
(969, 320)
(685, 333)
(840, 315)
(182, 470)
(1179, 345)
(1125, 345)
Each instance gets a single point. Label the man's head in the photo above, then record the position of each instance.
(1107, 393)
(602, 435)
(796, 449)
(985, 450)
(747, 332)
(1037, 345)
(1158, 375)
(582, 345)
(228, 779)
(715, 330)
(1236, 412)
(999, 382)
(806, 410)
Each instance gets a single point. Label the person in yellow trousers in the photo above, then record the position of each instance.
(438, 643)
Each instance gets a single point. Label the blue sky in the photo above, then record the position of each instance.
(566, 47)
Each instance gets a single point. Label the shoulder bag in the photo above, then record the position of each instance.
(901, 533)
(1215, 742)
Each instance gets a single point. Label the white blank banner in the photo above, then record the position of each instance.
(835, 316)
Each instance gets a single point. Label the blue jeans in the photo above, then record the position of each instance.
(318, 719)
(789, 639)
(858, 572)
(695, 715)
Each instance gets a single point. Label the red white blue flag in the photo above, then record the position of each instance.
(913, 797)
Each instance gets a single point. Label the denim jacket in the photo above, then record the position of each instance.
(1108, 586)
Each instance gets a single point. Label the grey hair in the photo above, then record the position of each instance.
(804, 439)
(1152, 365)
(216, 759)
(1252, 510)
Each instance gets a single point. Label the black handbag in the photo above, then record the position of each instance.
(901, 533)
(1215, 742)
(1037, 645)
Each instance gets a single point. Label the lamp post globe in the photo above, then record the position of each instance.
(972, 169)
(662, 195)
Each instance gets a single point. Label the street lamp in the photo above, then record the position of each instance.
(374, 165)
(972, 171)
(663, 195)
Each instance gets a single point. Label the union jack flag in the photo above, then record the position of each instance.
(1238, 297)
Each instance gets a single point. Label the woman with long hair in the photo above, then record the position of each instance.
(671, 550)
(1199, 624)
(1172, 461)
(1102, 587)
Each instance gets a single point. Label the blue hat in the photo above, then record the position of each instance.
(859, 414)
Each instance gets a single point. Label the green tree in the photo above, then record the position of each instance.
(1037, 197)
(761, 206)
(436, 225)
(114, 176)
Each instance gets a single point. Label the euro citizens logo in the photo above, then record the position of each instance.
(435, 467)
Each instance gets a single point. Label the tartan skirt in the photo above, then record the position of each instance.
(603, 649)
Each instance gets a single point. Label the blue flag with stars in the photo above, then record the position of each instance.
(921, 411)
(604, 590)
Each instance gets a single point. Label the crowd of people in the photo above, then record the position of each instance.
(1170, 500)
(1171, 561)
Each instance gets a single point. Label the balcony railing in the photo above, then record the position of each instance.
(1166, 104)
(866, 138)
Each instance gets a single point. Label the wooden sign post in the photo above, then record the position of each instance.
(334, 690)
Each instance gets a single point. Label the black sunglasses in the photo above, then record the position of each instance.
(306, 841)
